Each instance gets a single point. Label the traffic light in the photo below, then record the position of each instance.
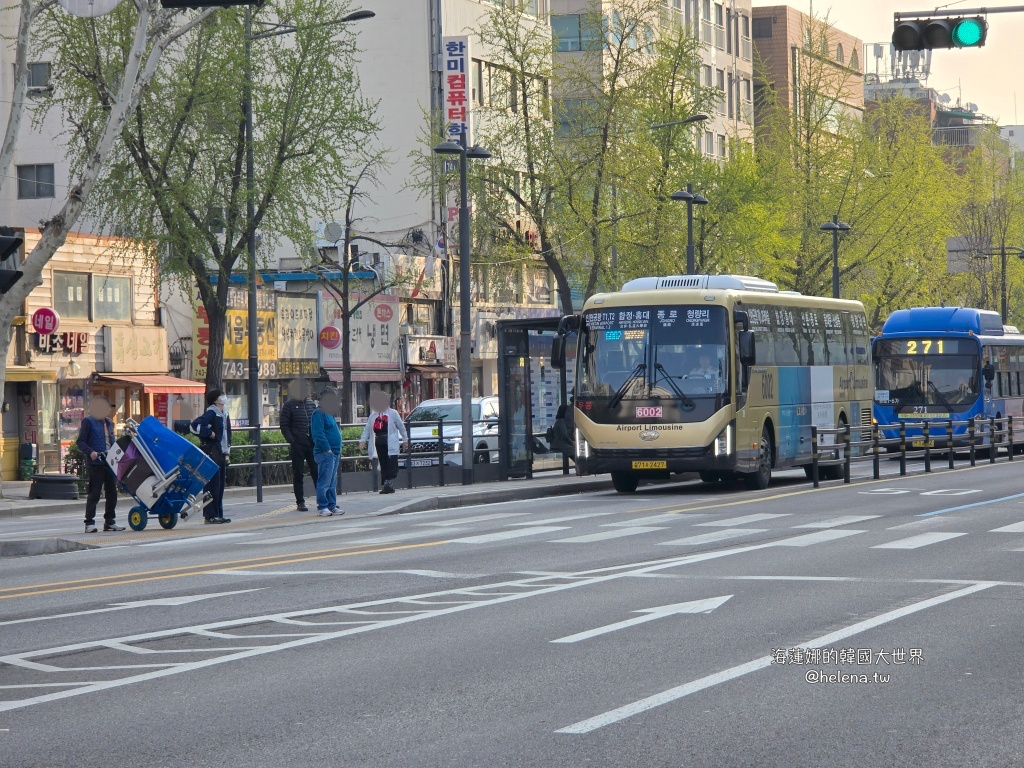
(926, 34)
(10, 244)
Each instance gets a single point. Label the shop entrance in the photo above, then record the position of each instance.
(530, 391)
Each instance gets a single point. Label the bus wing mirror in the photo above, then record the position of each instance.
(741, 319)
(558, 352)
(747, 350)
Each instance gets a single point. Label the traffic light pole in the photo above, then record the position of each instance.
(900, 15)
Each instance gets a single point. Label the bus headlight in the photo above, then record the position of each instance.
(582, 449)
(723, 443)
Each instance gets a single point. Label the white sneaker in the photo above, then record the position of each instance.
(337, 511)
(90, 528)
(324, 513)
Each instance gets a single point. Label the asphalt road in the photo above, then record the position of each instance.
(590, 630)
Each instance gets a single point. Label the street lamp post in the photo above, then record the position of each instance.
(255, 420)
(691, 199)
(465, 366)
(835, 227)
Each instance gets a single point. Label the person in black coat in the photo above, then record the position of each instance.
(214, 431)
(295, 416)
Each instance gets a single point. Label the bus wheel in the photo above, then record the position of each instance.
(625, 482)
(710, 476)
(758, 480)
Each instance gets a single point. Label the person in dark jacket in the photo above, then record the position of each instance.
(560, 439)
(214, 430)
(94, 439)
(327, 449)
(295, 415)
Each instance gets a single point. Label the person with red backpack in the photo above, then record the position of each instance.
(389, 438)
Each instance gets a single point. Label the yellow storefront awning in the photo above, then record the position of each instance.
(157, 383)
(22, 373)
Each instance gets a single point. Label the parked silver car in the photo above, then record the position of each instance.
(424, 438)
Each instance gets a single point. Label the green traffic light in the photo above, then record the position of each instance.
(968, 33)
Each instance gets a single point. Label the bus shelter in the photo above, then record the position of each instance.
(530, 390)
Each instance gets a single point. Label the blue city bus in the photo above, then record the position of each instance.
(942, 363)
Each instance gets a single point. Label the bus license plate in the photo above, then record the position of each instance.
(922, 444)
(650, 465)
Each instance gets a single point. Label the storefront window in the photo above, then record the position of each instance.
(72, 409)
(112, 298)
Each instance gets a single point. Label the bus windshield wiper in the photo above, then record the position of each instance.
(687, 403)
(941, 397)
(639, 371)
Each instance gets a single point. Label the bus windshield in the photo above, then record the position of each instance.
(927, 372)
(665, 353)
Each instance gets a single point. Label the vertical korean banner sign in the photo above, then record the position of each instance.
(455, 74)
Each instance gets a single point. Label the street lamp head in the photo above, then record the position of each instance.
(476, 152)
(700, 117)
(699, 199)
(843, 226)
(682, 195)
(449, 148)
(358, 16)
(829, 226)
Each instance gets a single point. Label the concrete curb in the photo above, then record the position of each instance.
(32, 547)
(514, 493)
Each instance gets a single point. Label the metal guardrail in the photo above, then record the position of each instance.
(987, 434)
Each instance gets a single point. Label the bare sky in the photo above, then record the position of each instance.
(990, 76)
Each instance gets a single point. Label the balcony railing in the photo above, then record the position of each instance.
(745, 49)
(719, 38)
(970, 136)
(706, 32)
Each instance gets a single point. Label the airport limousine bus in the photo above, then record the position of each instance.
(718, 374)
(941, 363)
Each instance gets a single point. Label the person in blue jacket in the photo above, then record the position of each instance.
(326, 452)
(95, 438)
(213, 428)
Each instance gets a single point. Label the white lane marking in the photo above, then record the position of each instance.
(305, 536)
(547, 520)
(917, 524)
(887, 491)
(706, 605)
(921, 540)
(668, 517)
(951, 492)
(710, 538)
(429, 574)
(161, 601)
(477, 519)
(818, 537)
(517, 533)
(674, 694)
(40, 530)
(386, 539)
(745, 520)
(835, 522)
(207, 538)
(1014, 528)
(605, 535)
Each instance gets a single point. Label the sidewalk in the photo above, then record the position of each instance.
(16, 504)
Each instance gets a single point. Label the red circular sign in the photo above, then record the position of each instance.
(330, 337)
(45, 321)
(383, 312)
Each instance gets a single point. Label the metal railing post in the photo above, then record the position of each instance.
(408, 458)
(814, 456)
(847, 434)
(440, 450)
(970, 439)
(949, 433)
(927, 448)
(875, 459)
(992, 440)
(903, 448)
(1009, 436)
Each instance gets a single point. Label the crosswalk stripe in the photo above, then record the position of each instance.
(835, 522)
(547, 520)
(817, 537)
(666, 518)
(513, 534)
(708, 538)
(477, 519)
(921, 540)
(604, 535)
(1015, 528)
(733, 521)
(304, 536)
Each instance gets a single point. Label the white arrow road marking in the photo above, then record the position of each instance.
(681, 691)
(649, 614)
(163, 601)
